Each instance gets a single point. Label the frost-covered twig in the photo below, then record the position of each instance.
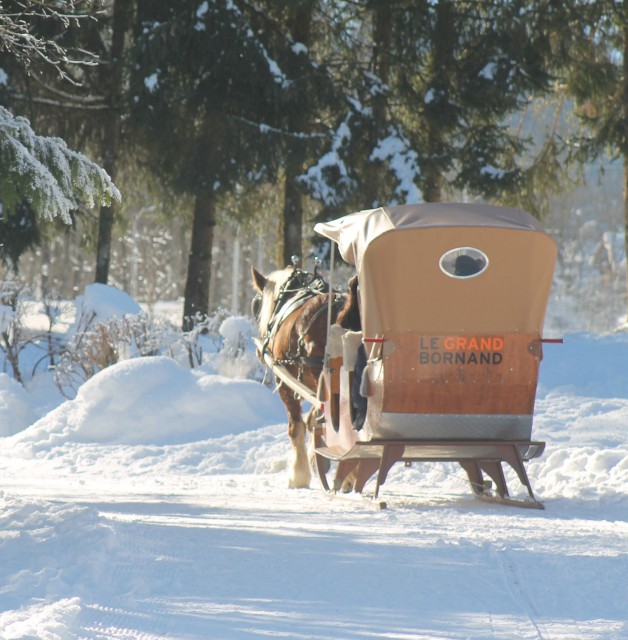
(19, 37)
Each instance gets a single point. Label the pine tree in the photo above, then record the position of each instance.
(433, 85)
(45, 65)
(593, 65)
(307, 108)
(46, 174)
(113, 90)
(207, 93)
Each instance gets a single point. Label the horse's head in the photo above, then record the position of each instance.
(268, 289)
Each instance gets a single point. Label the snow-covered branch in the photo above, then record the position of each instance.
(46, 173)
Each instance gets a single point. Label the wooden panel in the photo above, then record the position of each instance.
(452, 374)
(331, 378)
(337, 430)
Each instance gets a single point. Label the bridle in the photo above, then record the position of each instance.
(256, 306)
(299, 281)
(293, 294)
(300, 287)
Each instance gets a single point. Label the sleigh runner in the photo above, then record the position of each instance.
(451, 299)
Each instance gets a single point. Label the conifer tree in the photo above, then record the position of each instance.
(209, 84)
(433, 85)
(113, 90)
(593, 66)
(299, 26)
(45, 65)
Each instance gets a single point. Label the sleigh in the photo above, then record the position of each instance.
(452, 299)
(444, 362)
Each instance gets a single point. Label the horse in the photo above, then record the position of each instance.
(291, 310)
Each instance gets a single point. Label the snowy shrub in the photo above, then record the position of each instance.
(109, 327)
(25, 346)
(219, 341)
(11, 326)
(236, 357)
(95, 345)
(204, 337)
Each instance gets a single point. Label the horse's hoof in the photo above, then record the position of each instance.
(294, 484)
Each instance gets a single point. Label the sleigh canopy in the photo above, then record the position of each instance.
(398, 254)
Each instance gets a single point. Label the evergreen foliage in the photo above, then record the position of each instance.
(324, 107)
(18, 233)
(44, 172)
(593, 70)
(593, 67)
(431, 87)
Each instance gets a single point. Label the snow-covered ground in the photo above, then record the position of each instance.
(155, 505)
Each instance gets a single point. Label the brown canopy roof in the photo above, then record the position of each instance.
(397, 253)
(354, 232)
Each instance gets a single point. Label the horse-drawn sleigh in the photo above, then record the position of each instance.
(434, 353)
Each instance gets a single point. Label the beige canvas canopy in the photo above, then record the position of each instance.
(401, 253)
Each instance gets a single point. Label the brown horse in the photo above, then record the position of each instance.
(291, 308)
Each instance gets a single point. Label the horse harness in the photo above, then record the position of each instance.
(294, 293)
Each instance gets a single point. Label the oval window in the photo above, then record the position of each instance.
(463, 262)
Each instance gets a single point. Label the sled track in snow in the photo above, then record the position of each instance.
(517, 591)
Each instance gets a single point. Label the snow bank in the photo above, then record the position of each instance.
(75, 541)
(154, 400)
(15, 411)
(155, 504)
(104, 302)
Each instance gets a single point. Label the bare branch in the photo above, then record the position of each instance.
(19, 37)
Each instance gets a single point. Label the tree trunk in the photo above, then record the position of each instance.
(103, 248)
(442, 59)
(292, 213)
(382, 41)
(196, 301)
(432, 186)
(121, 20)
(624, 150)
(299, 22)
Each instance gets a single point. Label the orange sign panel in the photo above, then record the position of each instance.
(461, 350)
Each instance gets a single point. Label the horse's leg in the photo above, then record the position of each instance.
(301, 475)
(310, 425)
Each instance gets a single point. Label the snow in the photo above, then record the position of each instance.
(492, 172)
(15, 410)
(299, 48)
(151, 82)
(403, 162)
(155, 505)
(329, 177)
(104, 303)
(200, 14)
(202, 9)
(489, 71)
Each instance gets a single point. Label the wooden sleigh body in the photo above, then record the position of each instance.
(430, 421)
(452, 300)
